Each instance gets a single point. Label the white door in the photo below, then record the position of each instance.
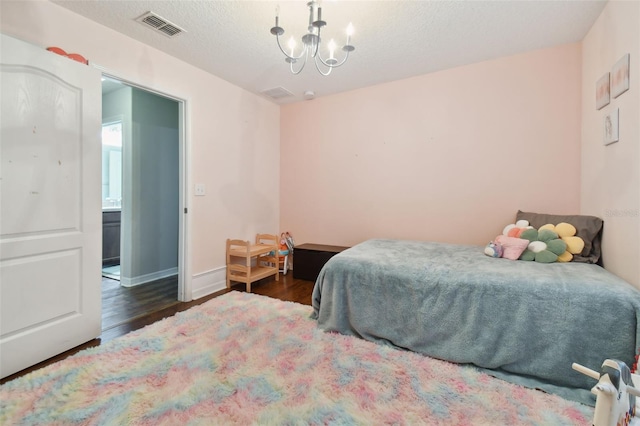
(50, 208)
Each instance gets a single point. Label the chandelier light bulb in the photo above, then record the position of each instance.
(292, 44)
(350, 29)
(332, 48)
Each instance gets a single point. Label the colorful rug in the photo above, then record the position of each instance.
(248, 359)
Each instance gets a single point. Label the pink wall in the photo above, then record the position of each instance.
(233, 136)
(611, 174)
(449, 156)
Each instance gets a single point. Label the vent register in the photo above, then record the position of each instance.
(277, 93)
(160, 24)
(169, 29)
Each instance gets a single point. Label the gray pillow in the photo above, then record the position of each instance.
(589, 228)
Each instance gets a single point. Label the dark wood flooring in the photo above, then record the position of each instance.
(288, 289)
(124, 304)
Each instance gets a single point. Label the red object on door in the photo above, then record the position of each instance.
(57, 50)
(78, 57)
(75, 56)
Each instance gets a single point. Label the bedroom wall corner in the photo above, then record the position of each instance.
(610, 175)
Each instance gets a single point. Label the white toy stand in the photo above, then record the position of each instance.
(616, 402)
(285, 251)
(283, 260)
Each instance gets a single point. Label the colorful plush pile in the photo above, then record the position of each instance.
(247, 359)
(548, 244)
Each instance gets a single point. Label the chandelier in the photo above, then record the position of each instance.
(311, 43)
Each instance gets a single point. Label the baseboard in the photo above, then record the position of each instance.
(208, 282)
(141, 279)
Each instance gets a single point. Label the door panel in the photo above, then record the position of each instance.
(50, 207)
(25, 283)
(46, 108)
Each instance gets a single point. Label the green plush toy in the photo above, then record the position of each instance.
(545, 246)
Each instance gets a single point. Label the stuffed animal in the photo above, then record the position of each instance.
(545, 245)
(493, 249)
(508, 244)
(551, 243)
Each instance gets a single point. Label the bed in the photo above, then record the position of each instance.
(524, 322)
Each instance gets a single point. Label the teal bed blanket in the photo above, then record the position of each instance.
(524, 322)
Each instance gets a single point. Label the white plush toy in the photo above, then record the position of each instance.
(515, 229)
(615, 393)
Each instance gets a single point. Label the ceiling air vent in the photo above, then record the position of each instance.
(160, 24)
(277, 93)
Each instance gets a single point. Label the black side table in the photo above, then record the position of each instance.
(308, 259)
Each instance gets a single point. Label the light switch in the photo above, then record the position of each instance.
(200, 190)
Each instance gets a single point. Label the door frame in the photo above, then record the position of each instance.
(184, 277)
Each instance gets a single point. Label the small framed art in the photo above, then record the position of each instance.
(602, 91)
(620, 76)
(611, 127)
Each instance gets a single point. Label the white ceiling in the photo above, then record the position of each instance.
(394, 39)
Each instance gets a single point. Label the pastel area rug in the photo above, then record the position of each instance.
(248, 359)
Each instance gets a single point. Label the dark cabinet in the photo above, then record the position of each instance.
(308, 259)
(110, 238)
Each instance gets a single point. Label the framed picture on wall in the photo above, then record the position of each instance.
(602, 91)
(620, 76)
(611, 127)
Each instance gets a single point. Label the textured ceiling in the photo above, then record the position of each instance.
(393, 39)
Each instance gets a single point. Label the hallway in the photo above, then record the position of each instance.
(123, 304)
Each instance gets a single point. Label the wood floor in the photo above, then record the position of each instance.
(288, 289)
(124, 304)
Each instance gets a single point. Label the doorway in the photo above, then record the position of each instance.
(142, 194)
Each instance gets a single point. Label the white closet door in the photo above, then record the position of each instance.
(50, 204)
